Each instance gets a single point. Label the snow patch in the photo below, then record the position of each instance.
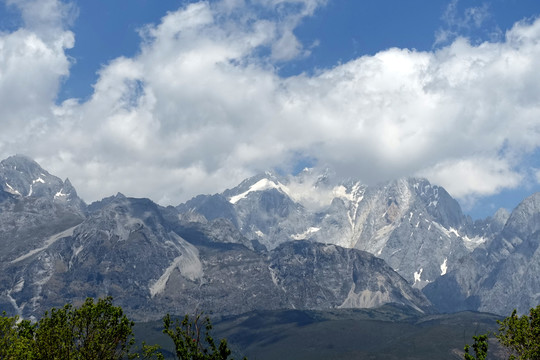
(473, 243)
(470, 243)
(444, 266)
(417, 276)
(11, 190)
(305, 234)
(447, 232)
(259, 233)
(60, 194)
(261, 185)
(39, 179)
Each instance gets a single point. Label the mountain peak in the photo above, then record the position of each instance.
(21, 164)
(525, 217)
(21, 176)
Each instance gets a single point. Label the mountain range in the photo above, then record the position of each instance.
(309, 241)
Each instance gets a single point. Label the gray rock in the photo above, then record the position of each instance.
(500, 276)
(153, 263)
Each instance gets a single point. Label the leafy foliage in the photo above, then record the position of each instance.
(101, 331)
(521, 334)
(16, 337)
(480, 348)
(192, 339)
(93, 331)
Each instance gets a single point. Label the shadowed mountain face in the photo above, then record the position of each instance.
(155, 260)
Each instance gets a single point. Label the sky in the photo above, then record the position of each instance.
(169, 99)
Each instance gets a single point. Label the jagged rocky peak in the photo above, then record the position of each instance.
(525, 219)
(22, 176)
(439, 203)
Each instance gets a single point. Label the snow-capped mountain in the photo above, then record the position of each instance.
(23, 177)
(34, 207)
(418, 228)
(155, 260)
(310, 241)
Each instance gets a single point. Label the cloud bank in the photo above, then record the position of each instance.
(202, 106)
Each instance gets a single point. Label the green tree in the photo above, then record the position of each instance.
(16, 338)
(192, 339)
(101, 331)
(480, 348)
(93, 331)
(521, 334)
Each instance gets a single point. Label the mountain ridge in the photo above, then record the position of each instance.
(308, 241)
(155, 258)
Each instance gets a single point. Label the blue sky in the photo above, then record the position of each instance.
(167, 99)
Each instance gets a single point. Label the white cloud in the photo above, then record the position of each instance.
(32, 65)
(199, 108)
(46, 17)
(474, 176)
(458, 22)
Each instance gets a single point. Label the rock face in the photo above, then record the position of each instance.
(154, 260)
(304, 242)
(34, 207)
(418, 228)
(502, 274)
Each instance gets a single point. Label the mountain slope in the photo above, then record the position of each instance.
(501, 276)
(155, 260)
(415, 226)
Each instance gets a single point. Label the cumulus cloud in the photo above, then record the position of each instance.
(32, 65)
(474, 176)
(201, 107)
(45, 16)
